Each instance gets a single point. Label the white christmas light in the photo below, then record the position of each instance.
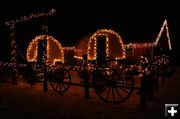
(164, 26)
(92, 43)
(11, 25)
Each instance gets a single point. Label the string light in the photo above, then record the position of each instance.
(78, 57)
(69, 48)
(107, 46)
(33, 47)
(164, 26)
(31, 16)
(144, 67)
(161, 60)
(14, 51)
(11, 25)
(152, 44)
(92, 43)
(139, 45)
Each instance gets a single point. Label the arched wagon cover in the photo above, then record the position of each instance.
(54, 50)
(114, 45)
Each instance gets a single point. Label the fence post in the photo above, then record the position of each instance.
(143, 90)
(45, 84)
(86, 77)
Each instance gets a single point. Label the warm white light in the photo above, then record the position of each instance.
(92, 44)
(31, 16)
(139, 45)
(164, 26)
(55, 51)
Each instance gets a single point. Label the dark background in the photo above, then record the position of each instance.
(133, 20)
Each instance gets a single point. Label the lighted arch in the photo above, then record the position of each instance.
(114, 45)
(54, 50)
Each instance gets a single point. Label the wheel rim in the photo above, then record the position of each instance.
(60, 80)
(112, 87)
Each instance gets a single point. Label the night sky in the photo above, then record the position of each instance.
(134, 21)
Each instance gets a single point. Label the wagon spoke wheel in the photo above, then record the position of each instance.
(60, 80)
(112, 87)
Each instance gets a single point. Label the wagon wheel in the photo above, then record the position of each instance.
(112, 87)
(60, 79)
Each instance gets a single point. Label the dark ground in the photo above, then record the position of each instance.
(25, 102)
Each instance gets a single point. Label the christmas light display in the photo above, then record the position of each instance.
(92, 44)
(55, 50)
(32, 50)
(14, 52)
(31, 16)
(144, 66)
(69, 48)
(12, 24)
(155, 43)
(139, 45)
(161, 60)
(164, 26)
